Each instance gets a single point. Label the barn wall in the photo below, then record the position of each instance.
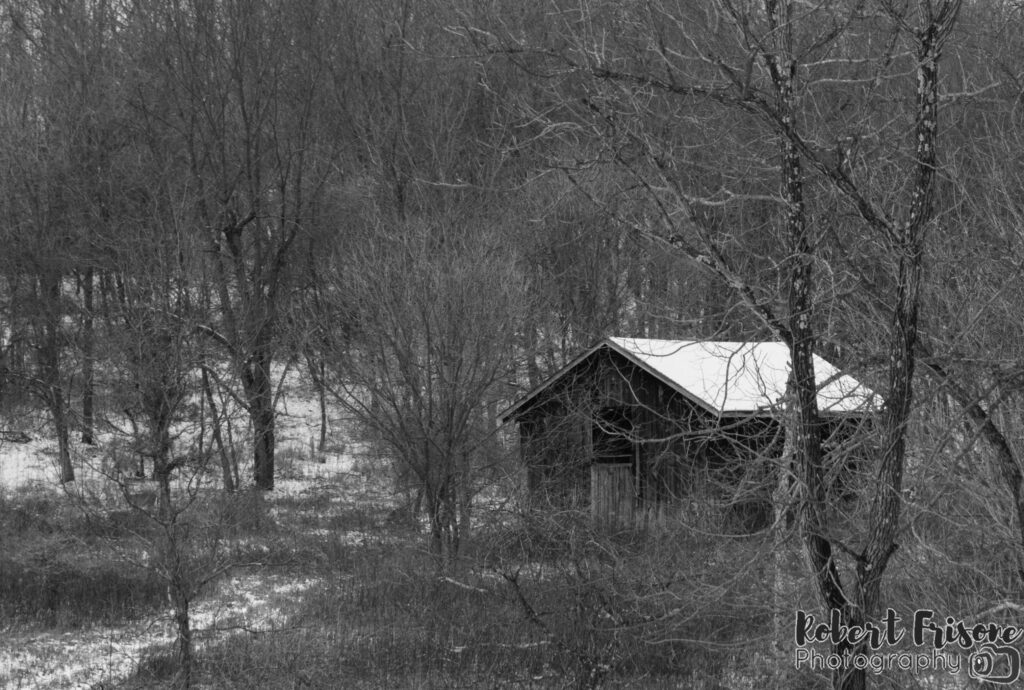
(558, 435)
(554, 450)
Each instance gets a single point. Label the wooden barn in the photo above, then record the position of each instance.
(635, 429)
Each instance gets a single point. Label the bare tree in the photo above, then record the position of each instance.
(243, 99)
(57, 173)
(649, 73)
(435, 306)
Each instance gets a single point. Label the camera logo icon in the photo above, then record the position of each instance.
(995, 664)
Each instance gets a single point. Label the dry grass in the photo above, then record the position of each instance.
(330, 593)
(327, 591)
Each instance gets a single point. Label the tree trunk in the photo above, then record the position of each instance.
(60, 423)
(88, 359)
(263, 452)
(183, 654)
(444, 528)
(232, 453)
(160, 421)
(803, 419)
(887, 501)
(417, 505)
(260, 397)
(782, 507)
(50, 369)
(436, 532)
(317, 372)
(172, 550)
(465, 498)
(532, 369)
(225, 460)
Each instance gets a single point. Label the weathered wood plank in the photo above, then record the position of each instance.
(612, 496)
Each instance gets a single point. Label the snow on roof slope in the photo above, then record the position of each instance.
(732, 377)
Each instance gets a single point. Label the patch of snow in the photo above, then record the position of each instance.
(254, 600)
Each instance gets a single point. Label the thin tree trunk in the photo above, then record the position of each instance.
(229, 429)
(323, 406)
(201, 437)
(782, 505)
(436, 532)
(417, 505)
(465, 498)
(50, 366)
(317, 372)
(60, 423)
(225, 460)
(178, 587)
(532, 370)
(184, 642)
(173, 548)
(88, 359)
(141, 471)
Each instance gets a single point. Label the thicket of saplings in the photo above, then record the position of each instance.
(538, 596)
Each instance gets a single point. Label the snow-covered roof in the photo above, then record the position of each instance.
(727, 377)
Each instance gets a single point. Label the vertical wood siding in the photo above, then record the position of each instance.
(612, 497)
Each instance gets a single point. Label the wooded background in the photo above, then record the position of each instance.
(430, 206)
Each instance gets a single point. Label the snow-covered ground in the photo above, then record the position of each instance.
(249, 599)
(252, 599)
(98, 655)
(34, 464)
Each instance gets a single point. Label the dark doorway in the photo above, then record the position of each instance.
(613, 436)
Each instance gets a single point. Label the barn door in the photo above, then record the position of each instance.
(613, 490)
(612, 494)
